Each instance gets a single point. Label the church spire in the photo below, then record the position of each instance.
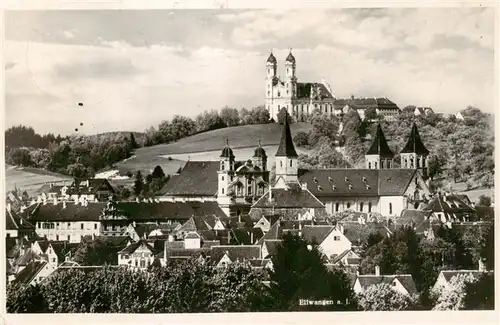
(286, 147)
(415, 144)
(380, 146)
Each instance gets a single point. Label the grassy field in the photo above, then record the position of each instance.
(31, 179)
(207, 146)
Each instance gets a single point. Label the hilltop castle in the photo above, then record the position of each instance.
(301, 98)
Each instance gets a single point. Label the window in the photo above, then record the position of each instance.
(8, 235)
(336, 238)
(361, 207)
(268, 93)
(291, 163)
(375, 165)
(281, 163)
(388, 164)
(279, 94)
(136, 263)
(348, 205)
(57, 237)
(69, 224)
(222, 177)
(337, 205)
(222, 191)
(38, 225)
(418, 163)
(222, 165)
(95, 225)
(369, 207)
(390, 208)
(369, 165)
(69, 237)
(394, 284)
(81, 226)
(53, 260)
(57, 225)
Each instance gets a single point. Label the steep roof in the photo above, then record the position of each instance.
(449, 274)
(235, 252)
(197, 178)
(356, 182)
(246, 236)
(379, 145)
(293, 197)
(167, 210)
(358, 233)
(406, 281)
(272, 246)
(290, 57)
(316, 234)
(30, 271)
(271, 58)
(449, 204)
(72, 212)
(134, 246)
(14, 221)
(414, 143)
(286, 147)
(318, 90)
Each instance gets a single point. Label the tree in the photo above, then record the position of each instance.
(96, 252)
(301, 139)
(138, 184)
(25, 298)
(487, 250)
(382, 297)
(281, 116)
(370, 114)
(77, 170)
(480, 295)
(41, 158)
(133, 143)
(299, 273)
(230, 116)
(158, 172)
(484, 201)
(19, 157)
(452, 297)
(435, 165)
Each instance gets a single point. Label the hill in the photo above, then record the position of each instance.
(206, 146)
(31, 179)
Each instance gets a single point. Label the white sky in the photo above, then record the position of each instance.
(132, 69)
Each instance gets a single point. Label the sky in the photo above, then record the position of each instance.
(133, 69)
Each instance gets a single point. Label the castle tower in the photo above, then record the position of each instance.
(414, 154)
(379, 156)
(271, 81)
(286, 159)
(226, 170)
(260, 158)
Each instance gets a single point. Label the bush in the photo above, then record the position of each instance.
(484, 201)
(301, 139)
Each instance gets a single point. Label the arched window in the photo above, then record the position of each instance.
(361, 207)
(388, 164)
(221, 165)
(390, 208)
(291, 163)
(348, 205)
(222, 191)
(369, 165)
(337, 205)
(281, 163)
(369, 207)
(375, 165)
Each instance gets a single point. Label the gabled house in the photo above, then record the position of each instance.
(227, 254)
(34, 272)
(445, 276)
(266, 221)
(93, 189)
(450, 208)
(139, 255)
(402, 283)
(423, 111)
(16, 226)
(347, 258)
(330, 239)
(270, 247)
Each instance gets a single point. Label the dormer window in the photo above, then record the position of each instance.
(334, 187)
(364, 179)
(350, 187)
(330, 179)
(320, 188)
(346, 179)
(315, 180)
(367, 186)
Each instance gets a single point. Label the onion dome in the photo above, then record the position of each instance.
(227, 152)
(290, 57)
(260, 152)
(271, 58)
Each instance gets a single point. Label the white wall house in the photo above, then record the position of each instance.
(139, 255)
(330, 239)
(402, 283)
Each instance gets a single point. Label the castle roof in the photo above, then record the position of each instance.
(260, 152)
(197, 178)
(227, 152)
(290, 57)
(286, 147)
(304, 90)
(379, 145)
(415, 144)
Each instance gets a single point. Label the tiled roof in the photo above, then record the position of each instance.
(449, 274)
(304, 90)
(358, 233)
(316, 234)
(134, 246)
(72, 212)
(449, 204)
(292, 197)
(379, 145)
(272, 246)
(227, 152)
(274, 233)
(294, 224)
(405, 279)
(116, 241)
(176, 244)
(30, 271)
(26, 258)
(197, 178)
(271, 58)
(94, 185)
(167, 210)
(235, 252)
(192, 235)
(244, 236)
(413, 217)
(210, 243)
(286, 147)
(394, 181)
(414, 143)
(61, 248)
(14, 221)
(187, 253)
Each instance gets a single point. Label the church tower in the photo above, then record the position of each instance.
(414, 154)
(286, 159)
(225, 172)
(271, 81)
(290, 77)
(379, 156)
(260, 158)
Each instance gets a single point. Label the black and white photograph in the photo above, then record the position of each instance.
(233, 160)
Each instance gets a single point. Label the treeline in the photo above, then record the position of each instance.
(180, 126)
(23, 136)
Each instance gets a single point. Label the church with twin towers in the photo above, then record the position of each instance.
(300, 99)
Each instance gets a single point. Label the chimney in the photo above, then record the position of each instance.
(170, 238)
(377, 270)
(133, 224)
(21, 221)
(251, 237)
(165, 249)
(9, 207)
